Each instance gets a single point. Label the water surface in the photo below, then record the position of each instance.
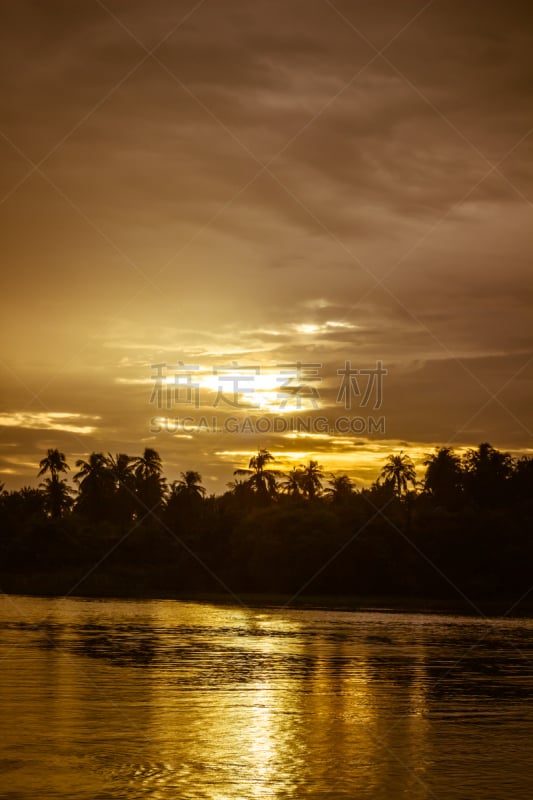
(160, 699)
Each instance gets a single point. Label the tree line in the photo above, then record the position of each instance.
(463, 528)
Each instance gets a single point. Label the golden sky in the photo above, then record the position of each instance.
(264, 183)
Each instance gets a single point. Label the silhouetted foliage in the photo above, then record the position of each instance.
(55, 491)
(340, 489)
(487, 475)
(399, 471)
(124, 500)
(150, 485)
(262, 479)
(444, 478)
(54, 462)
(292, 485)
(466, 532)
(311, 479)
(96, 487)
(57, 496)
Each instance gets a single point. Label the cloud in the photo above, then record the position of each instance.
(49, 421)
(377, 230)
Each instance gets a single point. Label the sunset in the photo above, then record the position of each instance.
(264, 184)
(266, 381)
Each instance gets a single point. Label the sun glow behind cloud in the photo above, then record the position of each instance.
(232, 387)
(316, 329)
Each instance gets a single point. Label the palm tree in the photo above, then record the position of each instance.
(444, 475)
(95, 470)
(124, 487)
(340, 488)
(488, 473)
(54, 463)
(56, 495)
(292, 485)
(96, 486)
(150, 483)
(399, 471)
(148, 465)
(311, 479)
(241, 491)
(190, 485)
(56, 492)
(121, 467)
(185, 504)
(262, 480)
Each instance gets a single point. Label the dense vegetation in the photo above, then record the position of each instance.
(462, 534)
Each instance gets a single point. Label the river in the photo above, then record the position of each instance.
(104, 699)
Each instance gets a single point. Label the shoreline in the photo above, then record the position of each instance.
(480, 608)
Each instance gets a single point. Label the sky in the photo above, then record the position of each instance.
(269, 200)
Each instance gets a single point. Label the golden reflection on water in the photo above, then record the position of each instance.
(244, 730)
(168, 700)
(259, 741)
(272, 727)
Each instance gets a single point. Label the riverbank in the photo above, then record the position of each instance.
(136, 587)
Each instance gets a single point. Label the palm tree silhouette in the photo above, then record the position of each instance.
(56, 492)
(94, 471)
(54, 462)
(262, 480)
(150, 483)
(311, 479)
(399, 471)
(443, 476)
(487, 474)
(190, 485)
(340, 488)
(56, 495)
(148, 465)
(292, 485)
(96, 486)
(121, 469)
